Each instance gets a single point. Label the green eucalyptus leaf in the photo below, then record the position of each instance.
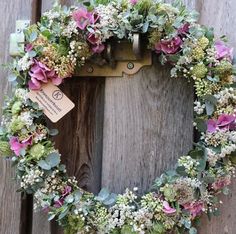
(53, 159)
(44, 165)
(63, 213)
(192, 230)
(110, 200)
(32, 53)
(12, 78)
(51, 217)
(210, 108)
(181, 171)
(69, 198)
(53, 132)
(77, 196)
(33, 36)
(201, 125)
(103, 195)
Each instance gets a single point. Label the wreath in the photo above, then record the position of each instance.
(60, 44)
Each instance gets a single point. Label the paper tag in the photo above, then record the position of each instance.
(54, 103)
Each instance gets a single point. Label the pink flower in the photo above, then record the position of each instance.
(223, 51)
(83, 18)
(167, 209)
(211, 125)
(221, 183)
(93, 17)
(195, 208)
(29, 47)
(59, 203)
(184, 29)
(17, 146)
(133, 2)
(67, 191)
(93, 39)
(169, 46)
(40, 74)
(97, 47)
(224, 121)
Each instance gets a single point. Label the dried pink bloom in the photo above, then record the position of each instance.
(169, 46)
(97, 47)
(223, 51)
(40, 74)
(211, 125)
(133, 2)
(167, 209)
(195, 208)
(184, 29)
(224, 121)
(17, 146)
(67, 191)
(29, 47)
(59, 203)
(221, 183)
(83, 18)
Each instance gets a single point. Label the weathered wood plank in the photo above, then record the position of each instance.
(10, 202)
(148, 124)
(221, 16)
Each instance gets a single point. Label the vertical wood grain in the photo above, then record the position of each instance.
(221, 16)
(10, 201)
(148, 124)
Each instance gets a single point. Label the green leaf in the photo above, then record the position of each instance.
(51, 217)
(53, 159)
(103, 195)
(12, 78)
(110, 200)
(77, 196)
(44, 165)
(33, 36)
(145, 27)
(53, 132)
(202, 165)
(211, 99)
(69, 198)
(63, 214)
(210, 108)
(192, 230)
(201, 125)
(46, 33)
(196, 153)
(32, 53)
(181, 171)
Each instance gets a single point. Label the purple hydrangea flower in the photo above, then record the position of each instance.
(41, 74)
(169, 46)
(223, 51)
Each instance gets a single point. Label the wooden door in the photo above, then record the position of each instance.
(124, 132)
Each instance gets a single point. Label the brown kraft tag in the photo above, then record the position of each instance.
(54, 103)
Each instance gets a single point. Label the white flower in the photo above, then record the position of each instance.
(199, 108)
(25, 62)
(26, 118)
